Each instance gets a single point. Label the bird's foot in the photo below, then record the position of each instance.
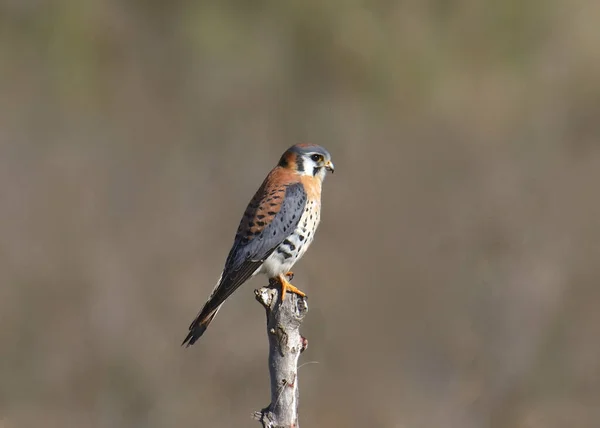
(290, 275)
(286, 286)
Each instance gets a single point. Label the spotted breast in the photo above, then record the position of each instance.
(295, 245)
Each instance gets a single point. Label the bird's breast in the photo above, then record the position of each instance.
(296, 244)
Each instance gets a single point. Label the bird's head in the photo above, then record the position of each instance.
(307, 159)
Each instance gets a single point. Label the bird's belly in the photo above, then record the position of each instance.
(294, 246)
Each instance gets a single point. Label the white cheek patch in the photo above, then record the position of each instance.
(309, 169)
(322, 173)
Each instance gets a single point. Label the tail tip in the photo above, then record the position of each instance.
(195, 333)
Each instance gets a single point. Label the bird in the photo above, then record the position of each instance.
(277, 227)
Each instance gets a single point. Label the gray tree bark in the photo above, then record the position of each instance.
(285, 346)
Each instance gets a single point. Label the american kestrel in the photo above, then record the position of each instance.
(277, 228)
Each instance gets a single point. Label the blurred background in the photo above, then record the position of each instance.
(454, 279)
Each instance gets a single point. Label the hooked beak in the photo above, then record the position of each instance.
(329, 166)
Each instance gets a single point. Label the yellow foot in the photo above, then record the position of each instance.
(286, 286)
(290, 275)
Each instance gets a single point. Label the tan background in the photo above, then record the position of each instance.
(453, 282)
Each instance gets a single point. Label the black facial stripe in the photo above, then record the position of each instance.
(299, 164)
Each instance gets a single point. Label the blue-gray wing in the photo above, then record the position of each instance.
(265, 227)
(270, 218)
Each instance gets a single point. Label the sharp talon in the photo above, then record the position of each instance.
(286, 286)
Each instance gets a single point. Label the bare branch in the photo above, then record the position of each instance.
(285, 345)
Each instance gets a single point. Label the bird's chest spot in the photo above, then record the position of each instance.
(295, 245)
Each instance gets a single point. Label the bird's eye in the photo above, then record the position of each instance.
(316, 158)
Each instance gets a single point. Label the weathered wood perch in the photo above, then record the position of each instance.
(285, 346)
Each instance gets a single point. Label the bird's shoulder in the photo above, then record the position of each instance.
(268, 201)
